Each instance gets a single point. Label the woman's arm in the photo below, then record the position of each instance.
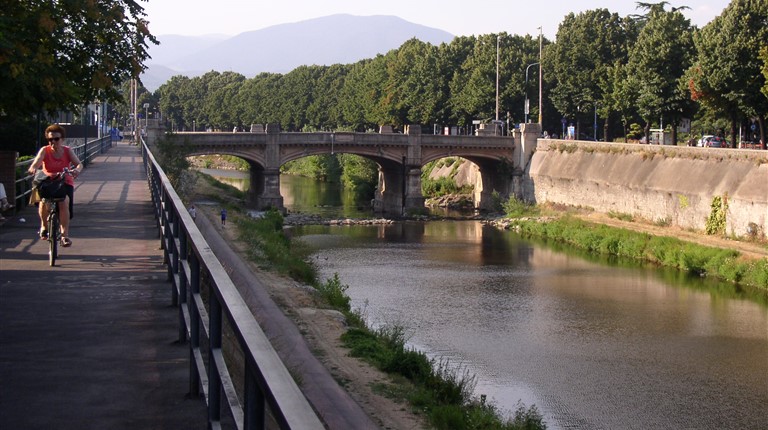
(73, 158)
(36, 162)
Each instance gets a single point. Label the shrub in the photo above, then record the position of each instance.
(515, 208)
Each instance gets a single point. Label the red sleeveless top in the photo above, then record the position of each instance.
(53, 166)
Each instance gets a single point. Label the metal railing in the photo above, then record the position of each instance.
(210, 308)
(86, 152)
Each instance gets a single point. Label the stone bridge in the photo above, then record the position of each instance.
(400, 157)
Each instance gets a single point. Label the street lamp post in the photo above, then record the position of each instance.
(540, 99)
(526, 91)
(498, 38)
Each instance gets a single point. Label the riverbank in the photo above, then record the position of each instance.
(743, 263)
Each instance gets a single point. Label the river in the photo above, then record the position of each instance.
(594, 344)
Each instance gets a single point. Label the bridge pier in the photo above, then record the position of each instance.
(414, 199)
(265, 188)
(388, 198)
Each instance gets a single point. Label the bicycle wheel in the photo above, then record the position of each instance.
(53, 235)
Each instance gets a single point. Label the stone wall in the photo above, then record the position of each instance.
(670, 184)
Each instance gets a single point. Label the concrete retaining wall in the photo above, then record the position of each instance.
(659, 183)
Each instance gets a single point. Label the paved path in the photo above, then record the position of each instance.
(91, 343)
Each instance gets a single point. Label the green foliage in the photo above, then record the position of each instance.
(55, 55)
(515, 208)
(666, 251)
(173, 159)
(621, 216)
(358, 173)
(726, 78)
(334, 293)
(324, 167)
(439, 187)
(580, 63)
(226, 188)
(657, 63)
(266, 243)
(635, 131)
(717, 217)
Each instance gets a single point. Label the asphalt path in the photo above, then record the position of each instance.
(92, 342)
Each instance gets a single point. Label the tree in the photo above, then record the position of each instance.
(58, 54)
(324, 112)
(726, 76)
(219, 104)
(657, 65)
(764, 57)
(259, 98)
(580, 62)
(171, 102)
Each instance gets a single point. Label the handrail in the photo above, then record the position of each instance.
(85, 152)
(202, 308)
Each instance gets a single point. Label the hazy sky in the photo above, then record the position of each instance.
(460, 18)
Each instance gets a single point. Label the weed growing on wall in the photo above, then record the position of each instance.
(717, 215)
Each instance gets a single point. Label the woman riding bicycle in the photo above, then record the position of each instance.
(53, 159)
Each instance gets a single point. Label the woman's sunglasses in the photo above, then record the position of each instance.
(54, 139)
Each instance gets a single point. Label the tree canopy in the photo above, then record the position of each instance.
(57, 54)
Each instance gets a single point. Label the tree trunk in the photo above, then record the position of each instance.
(734, 126)
(674, 133)
(647, 132)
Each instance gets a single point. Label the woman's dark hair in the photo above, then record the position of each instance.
(55, 128)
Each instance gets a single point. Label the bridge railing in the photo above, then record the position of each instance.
(211, 308)
(86, 152)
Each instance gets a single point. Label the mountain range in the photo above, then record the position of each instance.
(334, 39)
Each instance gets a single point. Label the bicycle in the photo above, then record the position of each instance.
(53, 224)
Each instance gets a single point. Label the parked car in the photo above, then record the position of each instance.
(704, 139)
(717, 142)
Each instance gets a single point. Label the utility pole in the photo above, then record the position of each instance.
(540, 100)
(498, 38)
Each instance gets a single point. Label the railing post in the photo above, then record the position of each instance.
(255, 407)
(173, 264)
(194, 324)
(214, 347)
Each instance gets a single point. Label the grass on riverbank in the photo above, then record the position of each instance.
(441, 392)
(724, 264)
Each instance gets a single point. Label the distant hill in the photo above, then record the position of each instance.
(335, 39)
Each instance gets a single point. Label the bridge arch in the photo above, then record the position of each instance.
(400, 158)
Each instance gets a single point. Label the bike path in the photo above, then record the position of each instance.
(92, 342)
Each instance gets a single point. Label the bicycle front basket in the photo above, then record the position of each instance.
(52, 189)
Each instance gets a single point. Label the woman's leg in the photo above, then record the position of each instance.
(64, 216)
(42, 209)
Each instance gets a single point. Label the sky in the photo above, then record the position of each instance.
(460, 18)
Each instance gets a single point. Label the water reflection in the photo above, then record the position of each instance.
(592, 345)
(305, 195)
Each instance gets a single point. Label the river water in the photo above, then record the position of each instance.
(592, 343)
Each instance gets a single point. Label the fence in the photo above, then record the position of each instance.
(210, 307)
(85, 152)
